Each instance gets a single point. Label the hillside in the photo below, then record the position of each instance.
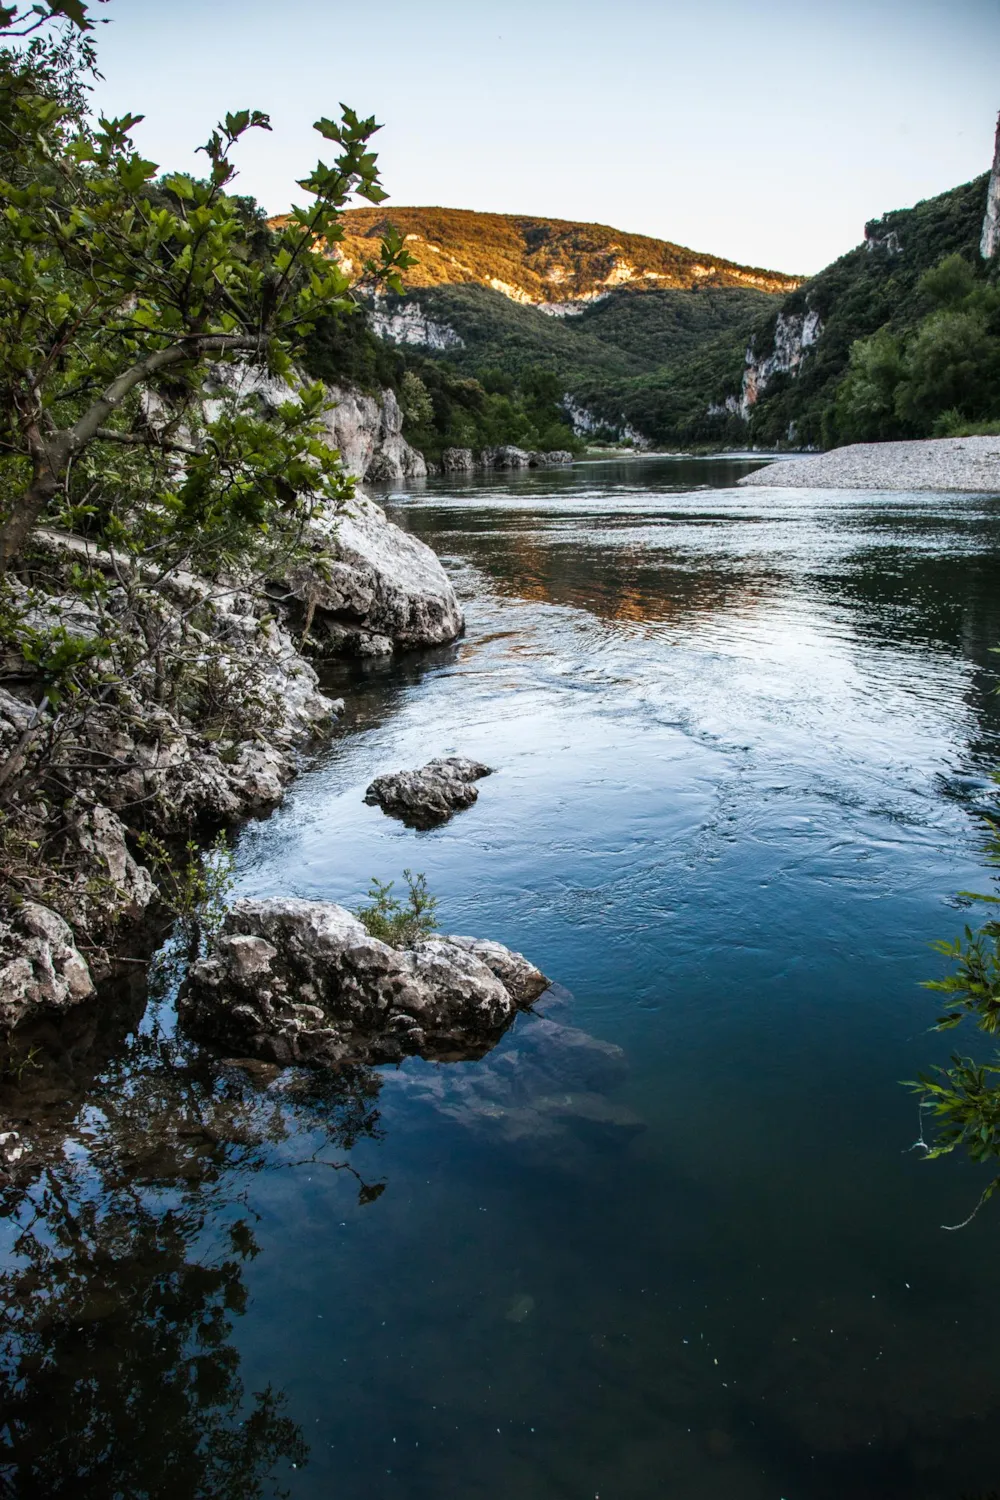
(791, 389)
(543, 262)
(684, 350)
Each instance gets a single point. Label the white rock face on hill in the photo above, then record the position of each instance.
(971, 464)
(409, 324)
(794, 334)
(990, 243)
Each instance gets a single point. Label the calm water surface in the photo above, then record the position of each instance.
(667, 1240)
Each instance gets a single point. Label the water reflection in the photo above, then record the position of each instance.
(666, 1239)
(128, 1232)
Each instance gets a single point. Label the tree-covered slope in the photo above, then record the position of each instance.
(878, 285)
(536, 260)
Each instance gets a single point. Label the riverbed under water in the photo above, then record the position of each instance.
(668, 1239)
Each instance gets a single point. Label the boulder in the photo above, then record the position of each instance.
(553, 460)
(457, 461)
(40, 966)
(504, 457)
(294, 981)
(370, 581)
(431, 794)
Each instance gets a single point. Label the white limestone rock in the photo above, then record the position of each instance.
(41, 968)
(296, 981)
(370, 576)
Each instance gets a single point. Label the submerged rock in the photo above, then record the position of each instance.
(296, 981)
(546, 1081)
(431, 794)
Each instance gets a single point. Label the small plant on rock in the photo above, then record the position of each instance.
(399, 923)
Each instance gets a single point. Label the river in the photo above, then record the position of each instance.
(668, 1239)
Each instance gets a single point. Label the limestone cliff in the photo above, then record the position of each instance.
(990, 243)
(794, 335)
(366, 429)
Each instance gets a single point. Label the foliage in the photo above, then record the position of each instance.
(645, 357)
(879, 290)
(453, 411)
(117, 292)
(941, 375)
(195, 887)
(964, 1098)
(159, 454)
(398, 923)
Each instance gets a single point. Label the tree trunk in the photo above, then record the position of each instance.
(23, 518)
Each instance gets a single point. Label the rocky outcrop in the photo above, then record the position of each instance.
(407, 323)
(366, 429)
(458, 461)
(587, 423)
(465, 461)
(304, 982)
(41, 968)
(556, 458)
(990, 243)
(794, 335)
(371, 587)
(136, 762)
(504, 457)
(431, 795)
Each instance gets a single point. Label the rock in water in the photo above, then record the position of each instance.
(371, 587)
(430, 795)
(304, 982)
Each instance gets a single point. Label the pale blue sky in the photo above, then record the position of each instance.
(766, 133)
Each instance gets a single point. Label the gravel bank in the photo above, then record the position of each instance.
(971, 463)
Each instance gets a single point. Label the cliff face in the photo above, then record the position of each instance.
(367, 430)
(989, 245)
(408, 323)
(795, 362)
(794, 335)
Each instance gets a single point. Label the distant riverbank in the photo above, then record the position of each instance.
(970, 463)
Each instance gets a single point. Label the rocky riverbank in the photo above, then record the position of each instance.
(96, 789)
(971, 464)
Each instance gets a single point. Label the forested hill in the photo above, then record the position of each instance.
(512, 325)
(542, 261)
(902, 335)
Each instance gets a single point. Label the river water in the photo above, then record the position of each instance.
(668, 1239)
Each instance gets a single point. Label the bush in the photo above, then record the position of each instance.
(397, 923)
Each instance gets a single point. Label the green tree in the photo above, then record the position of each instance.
(866, 400)
(118, 293)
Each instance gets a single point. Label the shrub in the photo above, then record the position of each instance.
(397, 923)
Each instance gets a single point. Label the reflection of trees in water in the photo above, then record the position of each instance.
(552, 561)
(129, 1233)
(948, 601)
